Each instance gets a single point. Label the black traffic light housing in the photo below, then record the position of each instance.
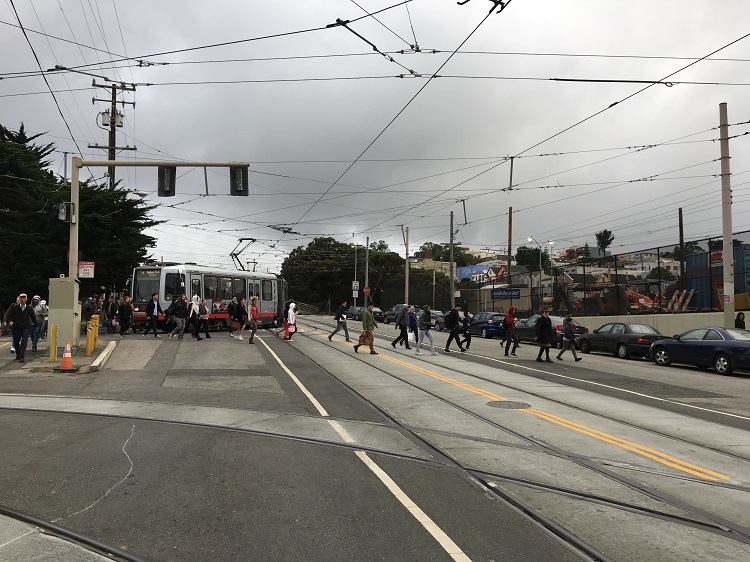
(238, 184)
(167, 179)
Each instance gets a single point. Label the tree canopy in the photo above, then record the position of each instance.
(604, 239)
(35, 245)
(529, 257)
(323, 272)
(441, 252)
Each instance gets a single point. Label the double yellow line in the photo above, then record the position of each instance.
(642, 450)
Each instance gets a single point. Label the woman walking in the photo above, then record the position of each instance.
(466, 342)
(569, 340)
(254, 317)
(240, 316)
(203, 317)
(544, 336)
(424, 321)
(193, 315)
(291, 321)
(124, 316)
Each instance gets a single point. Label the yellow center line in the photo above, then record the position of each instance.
(653, 454)
(636, 448)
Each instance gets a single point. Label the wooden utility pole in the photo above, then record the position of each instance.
(115, 120)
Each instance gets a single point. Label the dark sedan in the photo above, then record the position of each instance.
(724, 349)
(621, 338)
(527, 328)
(487, 324)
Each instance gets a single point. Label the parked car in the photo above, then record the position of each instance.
(487, 324)
(376, 312)
(724, 349)
(351, 312)
(438, 322)
(527, 328)
(621, 338)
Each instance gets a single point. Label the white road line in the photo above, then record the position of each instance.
(321, 410)
(615, 388)
(437, 533)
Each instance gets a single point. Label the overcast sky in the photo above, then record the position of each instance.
(339, 146)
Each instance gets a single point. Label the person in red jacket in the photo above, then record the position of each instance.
(511, 335)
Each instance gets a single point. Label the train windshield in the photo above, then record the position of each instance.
(145, 284)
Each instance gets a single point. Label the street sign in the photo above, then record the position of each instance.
(355, 286)
(85, 270)
(355, 294)
(502, 294)
(366, 291)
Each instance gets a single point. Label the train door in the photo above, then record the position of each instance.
(255, 292)
(195, 286)
(267, 299)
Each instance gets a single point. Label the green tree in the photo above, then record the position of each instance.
(530, 257)
(660, 273)
(35, 246)
(604, 239)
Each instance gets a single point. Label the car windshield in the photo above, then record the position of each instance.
(741, 335)
(498, 318)
(644, 329)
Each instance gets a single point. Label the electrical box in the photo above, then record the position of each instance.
(167, 180)
(238, 183)
(64, 309)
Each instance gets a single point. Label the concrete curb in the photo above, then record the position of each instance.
(101, 360)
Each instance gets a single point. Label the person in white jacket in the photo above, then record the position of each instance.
(291, 320)
(193, 315)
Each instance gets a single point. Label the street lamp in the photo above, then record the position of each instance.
(550, 242)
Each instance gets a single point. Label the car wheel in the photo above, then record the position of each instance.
(385, 320)
(622, 351)
(483, 333)
(585, 346)
(723, 364)
(661, 357)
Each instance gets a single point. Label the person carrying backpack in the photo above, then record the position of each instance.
(402, 324)
(511, 335)
(451, 324)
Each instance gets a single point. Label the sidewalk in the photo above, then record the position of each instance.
(38, 361)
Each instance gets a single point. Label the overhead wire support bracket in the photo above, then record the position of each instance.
(495, 4)
(344, 23)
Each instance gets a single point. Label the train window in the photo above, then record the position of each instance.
(225, 288)
(146, 284)
(174, 285)
(239, 288)
(267, 290)
(195, 286)
(211, 286)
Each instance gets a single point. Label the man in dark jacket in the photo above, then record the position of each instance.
(544, 335)
(452, 320)
(153, 309)
(180, 311)
(111, 312)
(20, 317)
(402, 323)
(340, 318)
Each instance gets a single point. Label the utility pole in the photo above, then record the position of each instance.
(726, 218)
(682, 255)
(510, 240)
(450, 264)
(112, 118)
(355, 272)
(367, 272)
(406, 283)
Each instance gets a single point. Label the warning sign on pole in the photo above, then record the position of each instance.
(86, 269)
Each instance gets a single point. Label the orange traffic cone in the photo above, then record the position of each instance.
(67, 360)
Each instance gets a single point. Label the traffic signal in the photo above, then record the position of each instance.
(238, 180)
(166, 182)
